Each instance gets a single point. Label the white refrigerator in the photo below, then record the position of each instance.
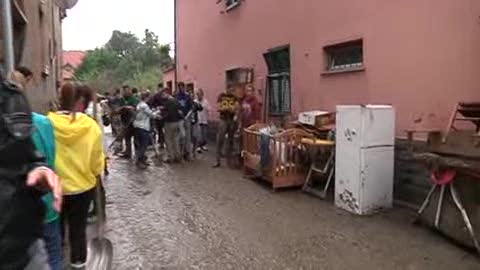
(365, 141)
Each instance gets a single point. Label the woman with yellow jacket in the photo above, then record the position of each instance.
(79, 160)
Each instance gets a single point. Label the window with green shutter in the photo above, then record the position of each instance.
(278, 79)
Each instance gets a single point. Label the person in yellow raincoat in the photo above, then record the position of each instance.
(80, 159)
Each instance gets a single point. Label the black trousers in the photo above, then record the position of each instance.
(74, 217)
(159, 124)
(129, 135)
(142, 139)
(226, 128)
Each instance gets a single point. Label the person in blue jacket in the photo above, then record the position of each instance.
(44, 140)
(186, 104)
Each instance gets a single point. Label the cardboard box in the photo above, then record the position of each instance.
(316, 118)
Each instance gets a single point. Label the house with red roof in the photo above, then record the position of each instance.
(71, 61)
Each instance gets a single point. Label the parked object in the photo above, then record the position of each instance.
(364, 158)
(444, 172)
(453, 158)
(277, 157)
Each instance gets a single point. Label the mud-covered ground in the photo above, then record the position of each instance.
(191, 216)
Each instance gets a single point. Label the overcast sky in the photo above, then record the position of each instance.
(91, 22)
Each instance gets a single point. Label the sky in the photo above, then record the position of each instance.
(90, 23)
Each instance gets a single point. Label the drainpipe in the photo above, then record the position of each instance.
(8, 52)
(175, 46)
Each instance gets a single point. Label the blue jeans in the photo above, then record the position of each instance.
(142, 140)
(203, 134)
(53, 244)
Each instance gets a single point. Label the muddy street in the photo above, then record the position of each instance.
(193, 217)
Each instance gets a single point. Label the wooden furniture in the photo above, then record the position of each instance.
(411, 133)
(443, 173)
(322, 163)
(464, 112)
(454, 164)
(285, 166)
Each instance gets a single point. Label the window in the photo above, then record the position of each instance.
(279, 98)
(20, 22)
(169, 85)
(190, 87)
(279, 90)
(345, 56)
(238, 76)
(230, 4)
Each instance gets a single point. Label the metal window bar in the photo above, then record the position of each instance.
(279, 93)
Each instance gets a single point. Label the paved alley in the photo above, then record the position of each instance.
(193, 217)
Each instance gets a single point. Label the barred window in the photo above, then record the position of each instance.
(279, 90)
(344, 56)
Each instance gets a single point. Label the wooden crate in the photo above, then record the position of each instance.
(286, 167)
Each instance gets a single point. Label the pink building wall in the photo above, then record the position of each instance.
(422, 56)
(169, 77)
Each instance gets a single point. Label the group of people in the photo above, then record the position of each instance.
(36, 151)
(40, 213)
(178, 121)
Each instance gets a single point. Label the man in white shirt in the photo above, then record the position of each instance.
(142, 130)
(203, 117)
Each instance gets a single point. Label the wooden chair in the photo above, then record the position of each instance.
(464, 112)
(320, 149)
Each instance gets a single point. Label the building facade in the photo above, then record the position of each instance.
(38, 45)
(71, 61)
(420, 56)
(169, 79)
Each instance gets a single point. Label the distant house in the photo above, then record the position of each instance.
(169, 78)
(71, 61)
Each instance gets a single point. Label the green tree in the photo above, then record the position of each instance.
(122, 43)
(96, 62)
(126, 60)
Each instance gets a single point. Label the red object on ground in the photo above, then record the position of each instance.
(443, 177)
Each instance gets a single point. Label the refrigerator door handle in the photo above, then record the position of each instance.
(377, 146)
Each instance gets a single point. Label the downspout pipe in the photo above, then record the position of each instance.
(8, 52)
(175, 76)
